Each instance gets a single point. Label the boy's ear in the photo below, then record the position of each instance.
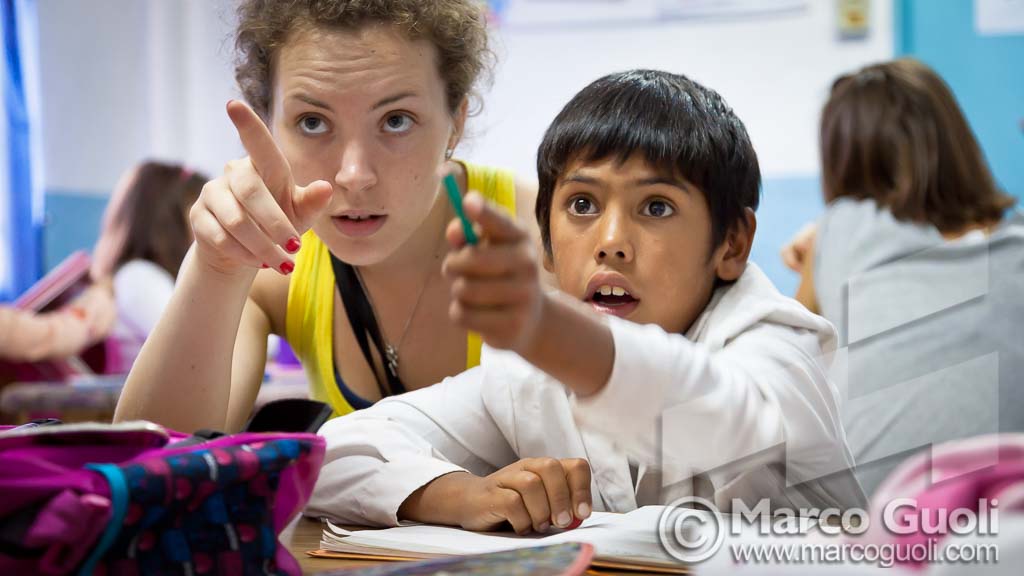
(736, 248)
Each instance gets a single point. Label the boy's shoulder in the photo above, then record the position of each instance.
(750, 302)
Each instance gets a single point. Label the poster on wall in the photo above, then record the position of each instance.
(724, 8)
(999, 17)
(574, 13)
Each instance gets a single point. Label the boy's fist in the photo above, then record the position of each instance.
(496, 288)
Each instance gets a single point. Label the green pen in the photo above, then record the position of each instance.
(456, 200)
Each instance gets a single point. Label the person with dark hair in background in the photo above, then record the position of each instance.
(919, 262)
(144, 239)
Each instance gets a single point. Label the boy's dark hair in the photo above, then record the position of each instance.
(682, 129)
(893, 132)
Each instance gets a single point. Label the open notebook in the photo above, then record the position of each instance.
(627, 541)
(72, 271)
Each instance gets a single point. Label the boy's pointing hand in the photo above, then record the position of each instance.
(496, 288)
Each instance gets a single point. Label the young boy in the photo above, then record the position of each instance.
(699, 378)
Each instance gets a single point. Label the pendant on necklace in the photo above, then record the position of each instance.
(392, 359)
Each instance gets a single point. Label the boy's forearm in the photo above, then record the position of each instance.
(182, 376)
(438, 502)
(573, 346)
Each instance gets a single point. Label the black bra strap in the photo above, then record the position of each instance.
(364, 323)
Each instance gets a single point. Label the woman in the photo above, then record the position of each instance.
(919, 262)
(356, 109)
(144, 239)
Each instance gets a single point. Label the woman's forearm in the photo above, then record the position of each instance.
(182, 377)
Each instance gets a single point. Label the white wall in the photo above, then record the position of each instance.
(124, 80)
(151, 77)
(775, 71)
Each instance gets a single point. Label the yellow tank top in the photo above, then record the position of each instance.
(309, 324)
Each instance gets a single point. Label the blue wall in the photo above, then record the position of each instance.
(985, 72)
(72, 223)
(786, 205)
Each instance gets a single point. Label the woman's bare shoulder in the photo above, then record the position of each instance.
(270, 292)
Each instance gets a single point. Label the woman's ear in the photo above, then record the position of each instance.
(735, 250)
(458, 124)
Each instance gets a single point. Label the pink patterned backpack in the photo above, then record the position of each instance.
(134, 498)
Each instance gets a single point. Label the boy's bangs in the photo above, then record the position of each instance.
(626, 123)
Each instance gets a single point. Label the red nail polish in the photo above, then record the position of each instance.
(575, 524)
(264, 266)
(293, 245)
(287, 268)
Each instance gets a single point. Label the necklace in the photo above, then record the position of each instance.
(391, 352)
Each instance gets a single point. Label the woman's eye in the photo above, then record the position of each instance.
(658, 209)
(582, 205)
(312, 125)
(397, 123)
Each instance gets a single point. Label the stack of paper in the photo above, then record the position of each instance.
(617, 538)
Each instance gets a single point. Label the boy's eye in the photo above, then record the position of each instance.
(658, 209)
(397, 123)
(582, 205)
(312, 125)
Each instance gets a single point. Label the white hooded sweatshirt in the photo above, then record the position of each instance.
(737, 408)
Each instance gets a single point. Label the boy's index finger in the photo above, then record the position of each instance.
(266, 157)
(496, 225)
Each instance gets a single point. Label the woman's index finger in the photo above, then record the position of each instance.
(266, 157)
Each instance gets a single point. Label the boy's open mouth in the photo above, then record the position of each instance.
(613, 300)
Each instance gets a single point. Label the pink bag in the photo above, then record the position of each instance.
(133, 498)
(960, 474)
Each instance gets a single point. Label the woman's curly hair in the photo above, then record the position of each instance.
(458, 28)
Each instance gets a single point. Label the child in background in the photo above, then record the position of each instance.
(144, 239)
(698, 378)
(919, 263)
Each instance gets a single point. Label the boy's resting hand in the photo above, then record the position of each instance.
(532, 494)
(496, 288)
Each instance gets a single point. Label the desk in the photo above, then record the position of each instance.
(94, 400)
(303, 534)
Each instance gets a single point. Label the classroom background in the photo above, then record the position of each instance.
(93, 88)
(103, 84)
